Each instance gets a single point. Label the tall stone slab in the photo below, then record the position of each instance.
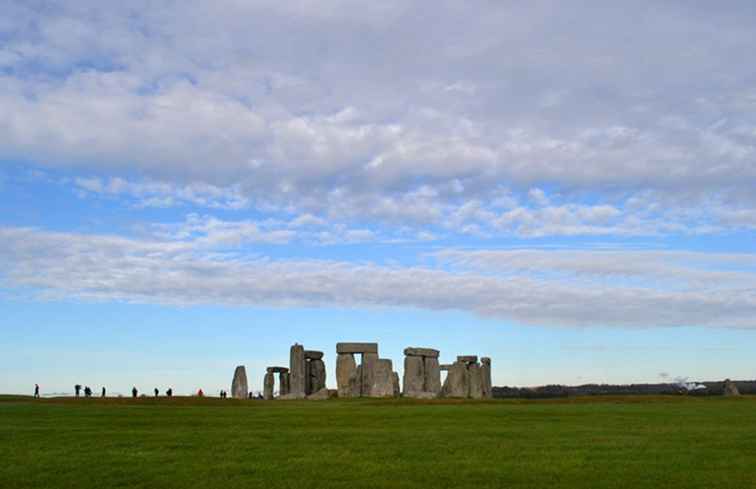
(414, 375)
(369, 362)
(456, 384)
(475, 381)
(382, 379)
(239, 386)
(283, 382)
(268, 383)
(317, 374)
(346, 371)
(297, 371)
(485, 369)
(432, 379)
(397, 388)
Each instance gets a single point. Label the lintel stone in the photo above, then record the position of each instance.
(421, 352)
(467, 358)
(357, 348)
(278, 370)
(313, 354)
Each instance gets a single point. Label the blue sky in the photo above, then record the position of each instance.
(194, 185)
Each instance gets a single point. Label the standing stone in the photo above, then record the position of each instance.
(456, 384)
(346, 369)
(485, 371)
(298, 378)
(414, 375)
(475, 381)
(397, 388)
(369, 361)
(382, 378)
(317, 375)
(239, 387)
(308, 378)
(268, 383)
(283, 382)
(432, 379)
(730, 389)
(355, 383)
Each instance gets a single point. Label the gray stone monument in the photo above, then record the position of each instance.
(297, 372)
(467, 378)
(374, 376)
(422, 373)
(239, 386)
(268, 383)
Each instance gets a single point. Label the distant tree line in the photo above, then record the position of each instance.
(556, 390)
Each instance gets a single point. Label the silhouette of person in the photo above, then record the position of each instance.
(134, 392)
(200, 393)
(77, 388)
(169, 392)
(103, 392)
(157, 392)
(87, 392)
(36, 390)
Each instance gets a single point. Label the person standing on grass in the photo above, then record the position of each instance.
(36, 390)
(77, 388)
(134, 392)
(200, 393)
(103, 391)
(157, 392)
(169, 392)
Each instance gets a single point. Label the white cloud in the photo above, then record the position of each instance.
(526, 287)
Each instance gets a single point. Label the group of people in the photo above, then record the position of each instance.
(77, 389)
(156, 391)
(134, 392)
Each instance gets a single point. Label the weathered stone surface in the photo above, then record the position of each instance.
(320, 395)
(313, 354)
(432, 379)
(467, 358)
(346, 371)
(239, 387)
(298, 374)
(421, 352)
(424, 395)
(355, 383)
(268, 383)
(414, 375)
(317, 374)
(397, 388)
(456, 384)
(485, 370)
(369, 361)
(445, 366)
(283, 382)
(475, 381)
(277, 370)
(382, 379)
(730, 389)
(357, 348)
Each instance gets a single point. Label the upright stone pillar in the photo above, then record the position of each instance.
(297, 371)
(485, 369)
(283, 382)
(397, 388)
(475, 383)
(383, 379)
(414, 375)
(456, 384)
(268, 383)
(346, 370)
(432, 369)
(317, 373)
(369, 361)
(239, 387)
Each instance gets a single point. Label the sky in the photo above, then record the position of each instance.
(190, 186)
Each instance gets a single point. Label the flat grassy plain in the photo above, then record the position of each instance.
(596, 442)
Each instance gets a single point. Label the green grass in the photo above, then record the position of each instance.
(628, 442)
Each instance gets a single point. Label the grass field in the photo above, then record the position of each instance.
(633, 442)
